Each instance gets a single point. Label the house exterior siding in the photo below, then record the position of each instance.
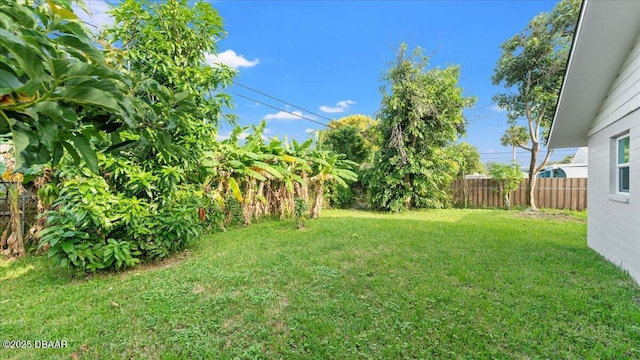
(613, 224)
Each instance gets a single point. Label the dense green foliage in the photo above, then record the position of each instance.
(508, 177)
(421, 115)
(146, 199)
(531, 68)
(163, 179)
(356, 137)
(57, 91)
(430, 284)
(467, 158)
(166, 43)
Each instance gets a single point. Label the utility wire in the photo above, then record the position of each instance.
(279, 109)
(282, 101)
(560, 151)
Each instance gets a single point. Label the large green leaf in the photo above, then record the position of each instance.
(82, 45)
(21, 142)
(89, 96)
(48, 133)
(235, 189)
(61, 11)
(268, 168)
(71, 150)
(29, 58)
(67, 246)
(8, 82)
(254, 174)
(87, 152)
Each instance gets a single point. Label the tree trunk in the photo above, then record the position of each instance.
(465, 192)
(408, 181)
(514, 154)
(317, 200)
(531, 186)
(14, 241)
(41, 208)
(507, 201)
(248, 205)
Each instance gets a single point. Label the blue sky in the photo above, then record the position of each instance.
(327, 57)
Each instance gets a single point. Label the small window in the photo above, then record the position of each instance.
(622, 164)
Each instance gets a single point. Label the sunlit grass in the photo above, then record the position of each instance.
(426, 284)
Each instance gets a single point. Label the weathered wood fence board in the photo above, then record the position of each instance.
(554, 193)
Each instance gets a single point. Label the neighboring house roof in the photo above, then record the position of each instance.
(581, 156)
(604, 36)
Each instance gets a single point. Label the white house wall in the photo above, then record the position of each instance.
(614, 225)
(623, 96)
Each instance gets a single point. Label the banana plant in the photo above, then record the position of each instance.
(329, 166)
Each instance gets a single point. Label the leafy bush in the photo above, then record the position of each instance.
(77, 232)
(340, 196)
(95, 227)
(301, 207)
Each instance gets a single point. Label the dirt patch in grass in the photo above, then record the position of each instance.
(557, 215)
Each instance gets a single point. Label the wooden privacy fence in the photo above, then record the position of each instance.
(553, 193)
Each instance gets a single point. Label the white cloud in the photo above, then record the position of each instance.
(243, 135)
(231, 59)
(341, 106)
(310, 131)
(283, 115)
(97, 15)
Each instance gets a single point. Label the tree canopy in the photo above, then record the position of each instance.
(531, 68)
(517, 137)
(468, 159)
(354, 136)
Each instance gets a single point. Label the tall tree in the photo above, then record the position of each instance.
(531, 68)
(356, 137)
(468, 159)
(517, 137)
(166, 43)
(421, 114)
(353, 135)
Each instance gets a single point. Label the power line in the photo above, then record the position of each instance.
(560, 151)
(279, 109)
(282, 101)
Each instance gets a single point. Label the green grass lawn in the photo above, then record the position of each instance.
(431, 284)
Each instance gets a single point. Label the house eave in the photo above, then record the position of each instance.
(605, 34)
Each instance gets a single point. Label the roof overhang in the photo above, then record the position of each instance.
(604, 36)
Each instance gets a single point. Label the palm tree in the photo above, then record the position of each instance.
(517, 137)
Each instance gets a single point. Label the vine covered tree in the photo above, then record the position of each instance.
(421, 115)
(531, 68)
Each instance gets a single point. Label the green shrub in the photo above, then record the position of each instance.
(94, 227)
(301, 207)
